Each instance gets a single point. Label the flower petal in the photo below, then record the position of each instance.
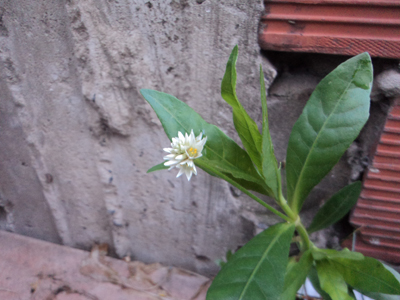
(169, 156)
(179, 157)
(184, 162)
(194, 170)
(188, 173)
(180, 136)
(181, 171)
(198, 138)
(171, 163)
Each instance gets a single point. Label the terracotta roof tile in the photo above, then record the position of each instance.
(377, 213)
(332, 26)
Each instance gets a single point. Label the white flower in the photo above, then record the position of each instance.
(184, 149)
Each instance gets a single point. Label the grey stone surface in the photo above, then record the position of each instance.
(71, 75)
(40, 73)
(77, 138)
(388, 83)
(30, 215)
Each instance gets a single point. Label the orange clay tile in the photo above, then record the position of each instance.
(332, 26)
(377, 213)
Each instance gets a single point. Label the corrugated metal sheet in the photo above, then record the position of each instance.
(332, 26)
(377, 213)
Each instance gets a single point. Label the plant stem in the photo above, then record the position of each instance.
(306, 243)
(288, 211)
(232, 182)
(295, 218)
(290, 216)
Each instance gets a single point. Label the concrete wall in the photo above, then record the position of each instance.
(76, 137)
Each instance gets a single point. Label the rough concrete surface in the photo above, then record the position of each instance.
(388, 82)
(76, 137)
(37, 270)
(84, 137)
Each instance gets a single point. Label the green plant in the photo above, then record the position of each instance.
(331, 120)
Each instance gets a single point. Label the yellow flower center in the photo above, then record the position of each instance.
(192, 151)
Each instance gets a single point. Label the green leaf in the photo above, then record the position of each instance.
(296, 275)
(157, 168)
(331, 120)
(257, 270)
(245, 126)
(219, 262)
(222, 262)
(313, 276)
(368, 275)
(380, 296)
(336, 207)
(270, 168)
(220, 151)
(332, 281)
(229, 255)
(319, 254)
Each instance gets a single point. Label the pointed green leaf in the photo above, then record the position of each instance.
(270, 168)
(245, 126)
(319, 254)
(229, 255)
(336, 207)
(380, 296)
(313, 276)
(222, 262)
(331, 120)
(331, 281)
(368, 275)
(296, 275)
(257, 270)
(220, 151)
(157, 168)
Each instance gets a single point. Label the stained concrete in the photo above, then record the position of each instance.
(37, 270)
